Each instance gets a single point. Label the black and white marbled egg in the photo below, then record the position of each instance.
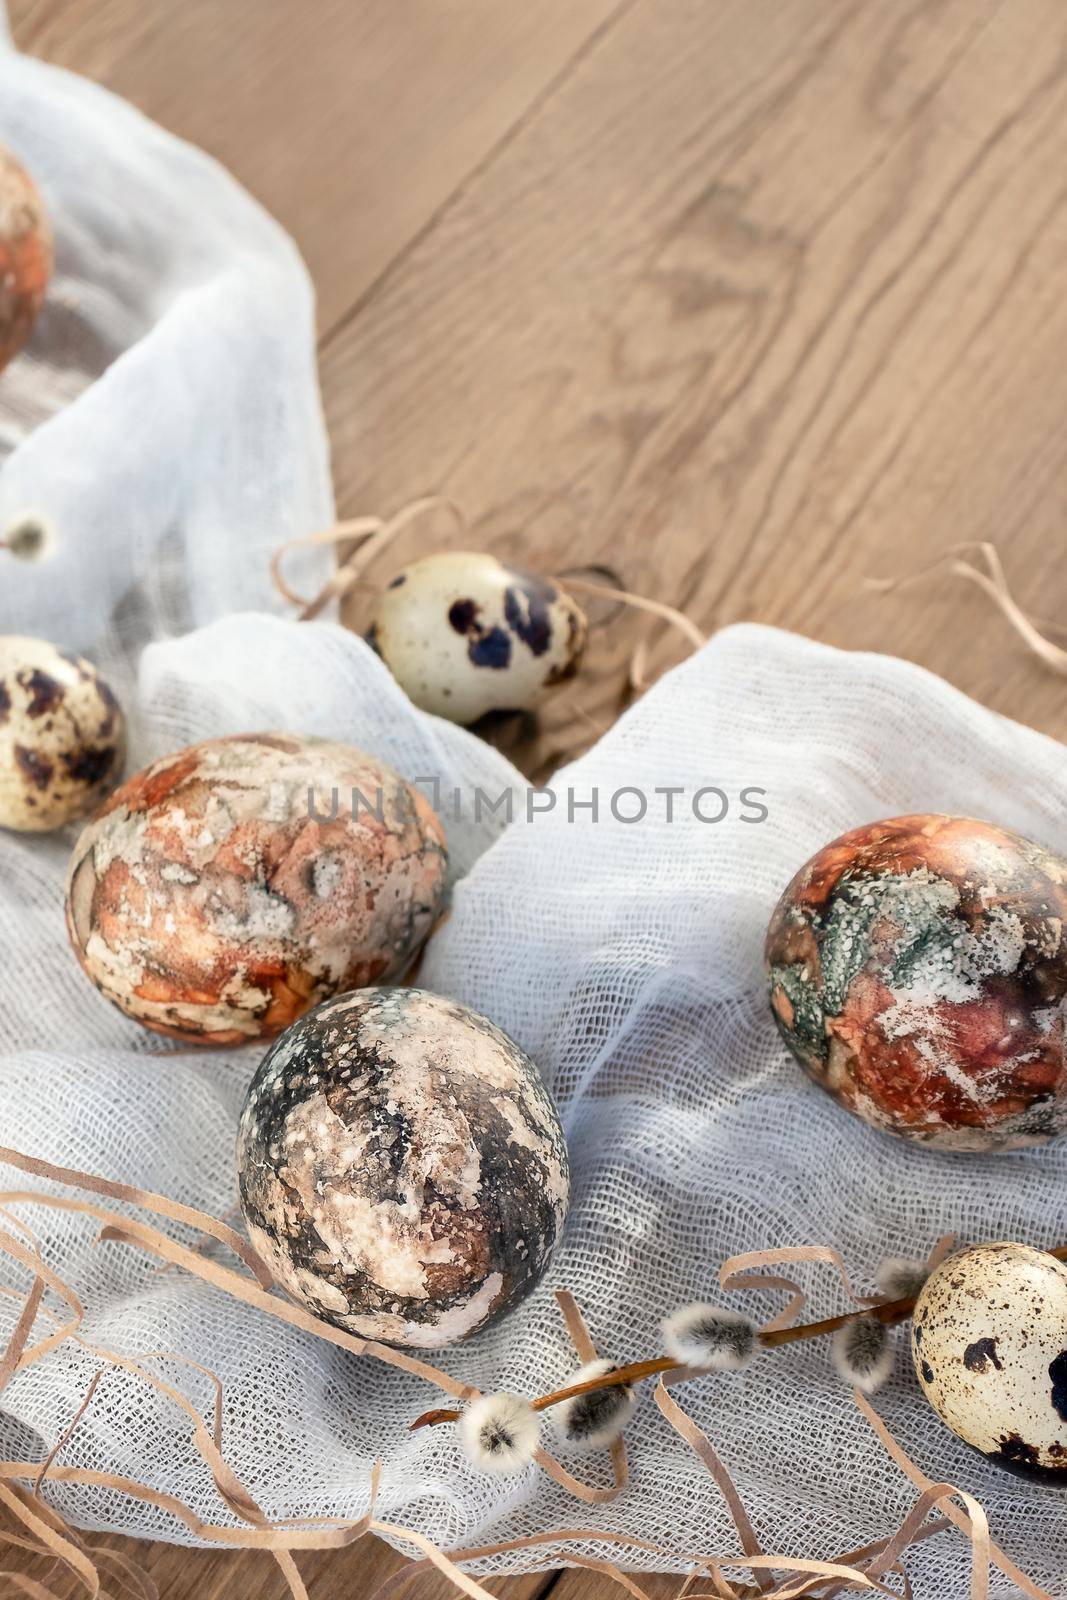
(989, 1343)
(402, 1167)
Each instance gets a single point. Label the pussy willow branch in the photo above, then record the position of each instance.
(631, 1374)
(888, 1312)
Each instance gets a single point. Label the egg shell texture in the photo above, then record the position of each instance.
(989, 1344)
(25, 255)
(918, 972)
(402, 1168)
(62, 736)
(464, 634)
(227, 888)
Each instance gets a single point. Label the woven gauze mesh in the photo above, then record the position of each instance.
(166, 418)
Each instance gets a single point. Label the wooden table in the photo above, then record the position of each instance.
(751, 299)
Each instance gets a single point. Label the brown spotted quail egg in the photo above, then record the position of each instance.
(464, 634)
(62, 736)
(402, 1168)
(225, 890)
(989, 1343)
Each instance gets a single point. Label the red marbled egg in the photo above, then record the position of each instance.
(25, 256)
(918, 972)
(223, 891)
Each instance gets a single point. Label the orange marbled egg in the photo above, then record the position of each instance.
(226, 889)
(25, 255)
(918, 971)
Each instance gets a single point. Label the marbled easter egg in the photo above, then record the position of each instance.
(226, 889)
(402, 1167)
(464, 634)
(989, 1343)
(62, 736)
(918, 971)
(25, 255)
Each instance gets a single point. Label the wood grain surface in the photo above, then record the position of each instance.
(353, 1574)
(749, 300)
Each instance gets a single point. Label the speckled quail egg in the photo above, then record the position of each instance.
(918, 972)
(402, 1168)
(989, 1343)
(62, 736)
(25, 255)
(464, 634)
(226, 889)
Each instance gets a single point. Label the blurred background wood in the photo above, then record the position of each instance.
(750, 300)
(352, 1574)
(352, 122)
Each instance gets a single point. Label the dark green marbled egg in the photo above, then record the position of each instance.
(918, 972)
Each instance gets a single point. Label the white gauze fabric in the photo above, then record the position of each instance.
(626, 957)
(165, 416)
